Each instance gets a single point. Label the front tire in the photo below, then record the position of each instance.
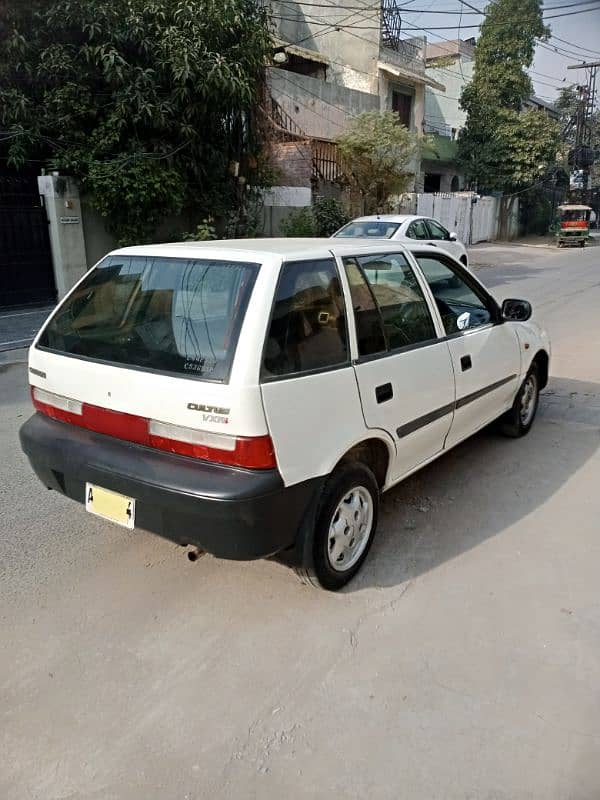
(345, 527)
(518, 421)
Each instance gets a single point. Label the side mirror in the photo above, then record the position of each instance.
(453, 237)
(516, 310)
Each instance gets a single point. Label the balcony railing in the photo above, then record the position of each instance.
(409, 50)
(440, 129)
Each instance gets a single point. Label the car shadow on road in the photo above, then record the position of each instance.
(482, 487)
(493, 276)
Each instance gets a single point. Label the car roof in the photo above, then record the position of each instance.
(259, 249)
(387, 218)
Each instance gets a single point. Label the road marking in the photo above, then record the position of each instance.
(25, 313)
(17, 341)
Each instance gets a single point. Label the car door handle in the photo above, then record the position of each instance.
(384, 392)
(466, 363)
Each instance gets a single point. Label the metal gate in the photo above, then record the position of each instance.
(26, 274)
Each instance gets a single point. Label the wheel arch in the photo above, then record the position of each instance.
(542, 360)
(373, 451)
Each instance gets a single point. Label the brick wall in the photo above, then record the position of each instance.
(292, 162)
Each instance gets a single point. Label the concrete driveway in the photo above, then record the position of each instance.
(462, 664)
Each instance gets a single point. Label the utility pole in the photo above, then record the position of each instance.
(582, 156)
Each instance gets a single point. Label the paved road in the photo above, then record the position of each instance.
(463, 664)
(19, 326)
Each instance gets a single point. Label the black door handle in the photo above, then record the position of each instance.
(384, 392)
(466, 363)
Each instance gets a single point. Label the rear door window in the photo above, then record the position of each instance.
(418, 230)
(307, 331)
(166, 314)
(402, 307)
(367, 316)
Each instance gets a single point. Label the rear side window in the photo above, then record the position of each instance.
(307, 331)
(166, 314)
(404, 311)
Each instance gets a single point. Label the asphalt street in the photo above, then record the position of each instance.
(462, 664)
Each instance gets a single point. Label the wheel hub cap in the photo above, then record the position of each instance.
(350, 529)
(528, 399)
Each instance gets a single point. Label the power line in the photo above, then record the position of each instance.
(377, 7)
(579, 47)
(340, 25)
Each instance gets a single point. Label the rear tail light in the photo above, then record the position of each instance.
(255, 452)
(55, 405)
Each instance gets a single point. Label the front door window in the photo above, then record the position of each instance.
(461, 308)
(437, 231)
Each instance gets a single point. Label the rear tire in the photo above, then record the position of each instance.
(345, 527)
(518, 421)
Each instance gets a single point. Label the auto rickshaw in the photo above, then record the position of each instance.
(574, 225)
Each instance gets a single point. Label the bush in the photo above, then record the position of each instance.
(323, 218)
(299, 223)
(329, 216)
(204, 232)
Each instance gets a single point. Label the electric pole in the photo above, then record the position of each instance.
(582, 155)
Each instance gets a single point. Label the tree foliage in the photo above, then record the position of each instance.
(146, 102)
(502, 147)
(376, 153)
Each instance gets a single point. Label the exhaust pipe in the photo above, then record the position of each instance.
(194, 554)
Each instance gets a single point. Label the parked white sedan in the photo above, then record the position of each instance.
(405, 227)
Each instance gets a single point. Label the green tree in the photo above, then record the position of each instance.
(376, 153)
(148, 103)
(502, 148)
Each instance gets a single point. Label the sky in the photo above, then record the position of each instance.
(549, 71)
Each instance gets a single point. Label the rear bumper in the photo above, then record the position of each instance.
(229, 512)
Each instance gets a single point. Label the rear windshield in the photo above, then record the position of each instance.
(373, 229)
(167, 314)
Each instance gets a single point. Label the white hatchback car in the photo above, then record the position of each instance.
(405, 228)
(254, 398)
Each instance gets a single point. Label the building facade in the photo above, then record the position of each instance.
(331, 64)
(451, 63)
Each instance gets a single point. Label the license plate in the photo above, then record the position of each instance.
(110, 505)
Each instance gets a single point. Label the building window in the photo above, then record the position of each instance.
(432, 183)
(402, 105)
(305, 66)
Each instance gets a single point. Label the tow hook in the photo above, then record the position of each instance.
(195, 553)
